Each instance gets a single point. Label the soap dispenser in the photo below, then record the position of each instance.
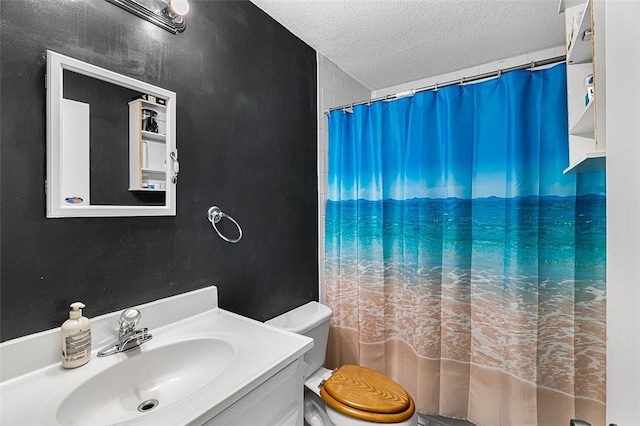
(76, 338)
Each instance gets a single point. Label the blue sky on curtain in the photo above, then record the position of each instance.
(460, 260)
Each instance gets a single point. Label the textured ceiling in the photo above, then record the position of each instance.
(382, 43)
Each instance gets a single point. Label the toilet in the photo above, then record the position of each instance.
(350, 395)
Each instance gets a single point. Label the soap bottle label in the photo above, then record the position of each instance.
(78, 346)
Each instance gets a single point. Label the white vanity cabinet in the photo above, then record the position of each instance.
(584, 25)
(148, 150)
(278, 402)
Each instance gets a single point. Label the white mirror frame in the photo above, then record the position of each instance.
(56, 207)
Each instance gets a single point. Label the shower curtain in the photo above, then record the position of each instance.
(461, 261)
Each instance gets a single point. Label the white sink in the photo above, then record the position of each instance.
(145, 382)
(201, 362)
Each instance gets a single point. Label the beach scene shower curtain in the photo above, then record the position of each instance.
(461, 261)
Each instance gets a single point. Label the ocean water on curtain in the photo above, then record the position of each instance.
(544, 257)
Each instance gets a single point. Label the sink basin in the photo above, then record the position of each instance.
(146, 381)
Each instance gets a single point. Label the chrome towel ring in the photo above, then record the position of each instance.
(215, 214)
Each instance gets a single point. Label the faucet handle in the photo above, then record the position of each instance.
(129, 318)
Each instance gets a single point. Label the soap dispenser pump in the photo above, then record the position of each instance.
(76, 338)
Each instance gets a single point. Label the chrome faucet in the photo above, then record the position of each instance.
(128, 336)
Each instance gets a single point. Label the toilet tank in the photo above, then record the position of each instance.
(311, 320)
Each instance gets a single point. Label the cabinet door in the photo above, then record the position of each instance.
(278, 401)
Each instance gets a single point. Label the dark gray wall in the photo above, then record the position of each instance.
(246, 135)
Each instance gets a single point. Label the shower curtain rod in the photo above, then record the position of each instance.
(531, 65)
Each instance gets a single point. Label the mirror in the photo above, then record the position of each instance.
(111, 147)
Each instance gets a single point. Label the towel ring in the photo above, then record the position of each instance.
(215, 214)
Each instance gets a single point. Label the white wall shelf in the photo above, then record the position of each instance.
(584, 126)
(591, 162)
(580, 48)
(565, 4)
(154, 136)
(585, 47)
(148, 150)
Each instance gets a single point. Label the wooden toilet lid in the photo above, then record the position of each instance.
(365, 394)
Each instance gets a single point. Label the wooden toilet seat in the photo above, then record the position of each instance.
(365, 394)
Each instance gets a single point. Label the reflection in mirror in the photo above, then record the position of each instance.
(108, 140)
(110, 143)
